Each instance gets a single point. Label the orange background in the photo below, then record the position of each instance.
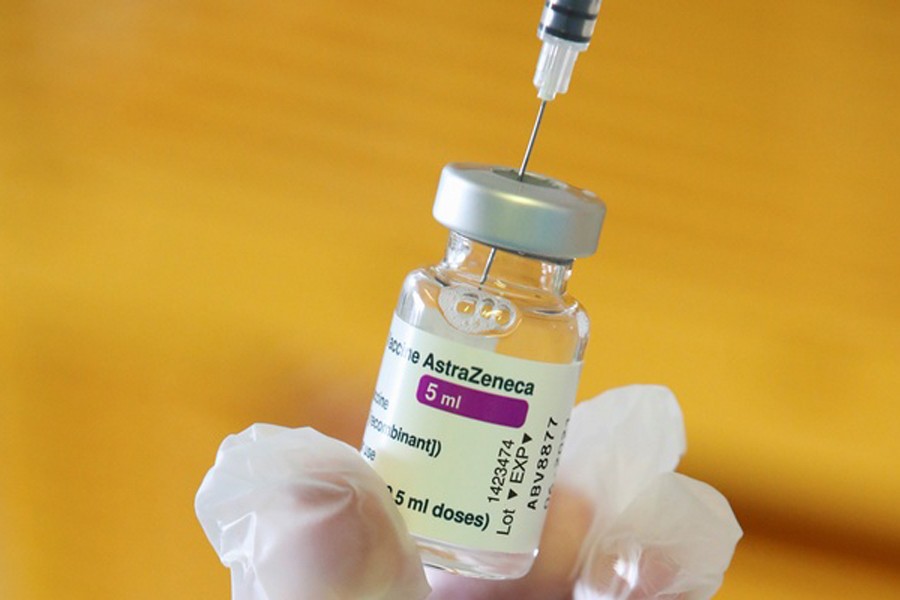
(207, 208)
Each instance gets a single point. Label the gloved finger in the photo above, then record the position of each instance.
(297, 515)
(675, 540)
(643, 531)
(618, 442)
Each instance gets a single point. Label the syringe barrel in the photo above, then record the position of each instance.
(571, 20)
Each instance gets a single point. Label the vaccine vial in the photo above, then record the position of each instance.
(480, 370)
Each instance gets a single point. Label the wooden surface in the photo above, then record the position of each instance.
(206, 209)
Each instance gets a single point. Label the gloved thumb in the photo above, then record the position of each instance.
(295, 514)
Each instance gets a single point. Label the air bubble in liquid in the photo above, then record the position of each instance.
(475, 311)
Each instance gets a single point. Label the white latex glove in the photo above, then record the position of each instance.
(297, 515)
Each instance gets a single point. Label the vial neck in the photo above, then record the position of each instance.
(482, 264)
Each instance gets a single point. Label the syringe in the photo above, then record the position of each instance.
(565, 29)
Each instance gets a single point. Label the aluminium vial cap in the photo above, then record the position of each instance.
(539, 215)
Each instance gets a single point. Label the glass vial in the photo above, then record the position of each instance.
(481, 367)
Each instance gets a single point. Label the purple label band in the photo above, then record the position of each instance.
(471, 403)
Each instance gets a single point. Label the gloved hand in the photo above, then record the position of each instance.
(298, 515)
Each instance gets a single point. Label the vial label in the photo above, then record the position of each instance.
(468, 440)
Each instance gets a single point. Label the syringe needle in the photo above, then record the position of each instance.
(530, 147)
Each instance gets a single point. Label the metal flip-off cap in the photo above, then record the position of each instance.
(539, 216)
